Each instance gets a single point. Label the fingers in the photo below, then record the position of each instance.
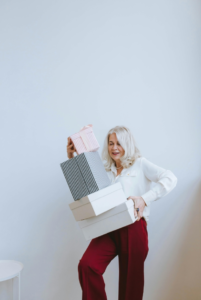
(135, 211)
(138, 203)
(70, 150)
(70, 145)
(139, 215)
(69, 141)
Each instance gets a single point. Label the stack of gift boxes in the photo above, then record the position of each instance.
(99, 206)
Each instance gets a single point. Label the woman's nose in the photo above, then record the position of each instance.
(114, 147)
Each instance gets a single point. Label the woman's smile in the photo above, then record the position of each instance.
(115, 153)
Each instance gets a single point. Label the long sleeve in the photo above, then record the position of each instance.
(165, 181)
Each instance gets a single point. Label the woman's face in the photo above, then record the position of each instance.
(114, 148)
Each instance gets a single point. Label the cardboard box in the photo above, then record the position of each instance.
(120, 216)
(85, 140)
(85, 174)
(98, 202)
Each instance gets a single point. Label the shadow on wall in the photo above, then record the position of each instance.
(183, 279)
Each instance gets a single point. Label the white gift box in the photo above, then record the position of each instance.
(98, 202)
(120, 216)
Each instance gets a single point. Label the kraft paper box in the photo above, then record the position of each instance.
(115, 218)
(98, 202)
(85, 140)
(85, 174)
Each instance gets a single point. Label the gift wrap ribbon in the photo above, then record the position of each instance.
(84, 137)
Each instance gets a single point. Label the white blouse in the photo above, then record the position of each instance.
(136, 181)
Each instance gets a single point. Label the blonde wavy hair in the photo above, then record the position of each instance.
(127, 141)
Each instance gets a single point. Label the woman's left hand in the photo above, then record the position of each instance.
(138, 203)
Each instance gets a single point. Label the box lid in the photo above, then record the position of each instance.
(116, 210)
(94, 196)
(77, 135)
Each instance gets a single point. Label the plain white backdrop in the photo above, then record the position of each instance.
(65, 64)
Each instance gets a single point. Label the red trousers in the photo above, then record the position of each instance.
(130, 243)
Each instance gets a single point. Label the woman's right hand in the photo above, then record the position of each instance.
(70, 148)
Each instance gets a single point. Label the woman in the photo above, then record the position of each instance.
(124, 164)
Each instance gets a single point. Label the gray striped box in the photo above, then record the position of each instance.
(85, 174)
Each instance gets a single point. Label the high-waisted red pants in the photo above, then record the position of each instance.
(130, 243)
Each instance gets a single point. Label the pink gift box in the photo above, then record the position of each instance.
(85, 140)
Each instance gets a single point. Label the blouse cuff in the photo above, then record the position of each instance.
(149, 196)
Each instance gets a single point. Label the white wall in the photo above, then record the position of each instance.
(65, 64)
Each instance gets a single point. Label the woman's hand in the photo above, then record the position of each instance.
(70, 148)
(138, 203)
